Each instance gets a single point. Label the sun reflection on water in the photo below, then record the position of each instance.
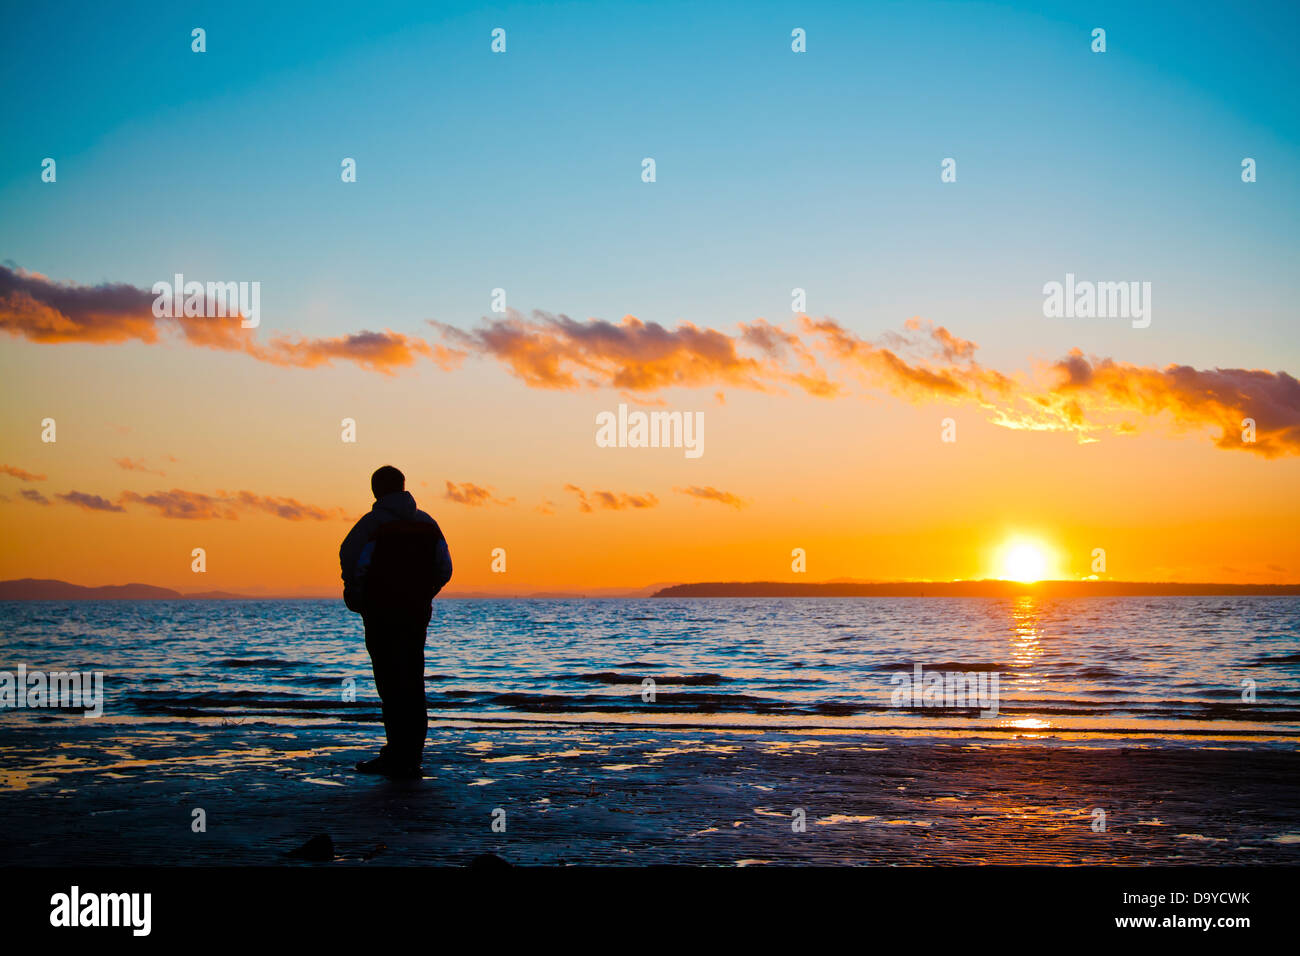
(1026, 639)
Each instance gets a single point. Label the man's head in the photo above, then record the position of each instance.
(386, 480)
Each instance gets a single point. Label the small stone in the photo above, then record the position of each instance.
(319, 849)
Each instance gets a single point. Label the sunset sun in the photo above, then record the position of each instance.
(1023, 561)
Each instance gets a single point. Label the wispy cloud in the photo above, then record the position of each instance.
(184, 505)
(225, 505)
(89, 502)
(611, 500)
(468, 493)
(709, 493)
(20, 474)
(922, 363)
(31, 494)
(557, 352)
(40, 309)
(289, 509)
(136, 464)
(383, 352)
(1092, 395)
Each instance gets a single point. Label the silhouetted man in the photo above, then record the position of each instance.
(394, 561)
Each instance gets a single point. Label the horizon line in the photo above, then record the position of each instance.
(29, 589)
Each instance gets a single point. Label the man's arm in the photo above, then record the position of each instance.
(442, 560)
(350, 549)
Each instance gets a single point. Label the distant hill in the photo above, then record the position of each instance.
(598, 594)
(34, 589)
(1060, 589)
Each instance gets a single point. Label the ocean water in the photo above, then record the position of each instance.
(1165, 667)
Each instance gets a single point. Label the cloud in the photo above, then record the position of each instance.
(288, 508)
(709, 493)
(185, 505)
(468, 493)
(921, 363)
(89, 502)
(611, 500)
(383, 352)
(136, 464)
(1087, 396)
(224, 505)
(31, 494)
(38, 309)
(1093, 394)
(557, 352)
(20, 474)
(42, 310)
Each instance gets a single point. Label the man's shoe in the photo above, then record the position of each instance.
(388, 768)
(375, 765)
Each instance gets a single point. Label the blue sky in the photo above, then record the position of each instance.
(775, 170)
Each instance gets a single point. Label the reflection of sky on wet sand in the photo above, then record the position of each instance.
(583, 794)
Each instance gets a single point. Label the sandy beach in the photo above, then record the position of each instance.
(82, 792)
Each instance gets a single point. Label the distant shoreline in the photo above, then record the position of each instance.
(32, 589)
(990, 588)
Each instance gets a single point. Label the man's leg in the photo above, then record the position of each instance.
(409, 723)
(397, 653)
(379, 644)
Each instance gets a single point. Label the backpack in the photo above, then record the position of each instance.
(407, 568)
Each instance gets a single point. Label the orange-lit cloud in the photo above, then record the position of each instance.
(923, 363)
(42, 310)
(20, 474)
(557, 352)
(197, 506)
(611, 500)
(187, 505)
(135, 464)
(89, 502)
(36, 308)
(468, 493)
(1083, 395)
(383, 352)
(709, 493)
(817, 357)
(288, 508)
(1095, 394)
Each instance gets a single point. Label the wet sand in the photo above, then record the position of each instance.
(80, 792)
